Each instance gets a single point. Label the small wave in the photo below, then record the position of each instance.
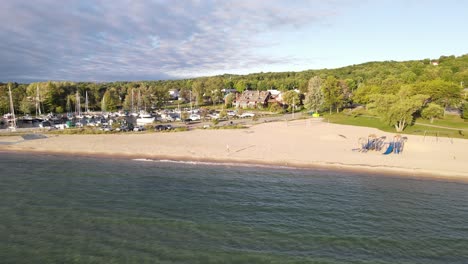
(143, 160)
(224, 164)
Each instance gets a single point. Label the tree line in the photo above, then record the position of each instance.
(380, 86)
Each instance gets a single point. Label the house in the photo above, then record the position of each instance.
(275, 96)
(174, 94)
(252, 99)
(435, 63)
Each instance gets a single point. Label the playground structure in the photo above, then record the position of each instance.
(374, 143)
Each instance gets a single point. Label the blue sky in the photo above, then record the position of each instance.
(101, 40)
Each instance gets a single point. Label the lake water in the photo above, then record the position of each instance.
(62, 209)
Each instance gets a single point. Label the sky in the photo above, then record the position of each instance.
(128, 40)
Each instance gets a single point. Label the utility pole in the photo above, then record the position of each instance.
(293, 106)
(191, 111)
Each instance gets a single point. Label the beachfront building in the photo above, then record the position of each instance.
(252, 99)
(174, 94)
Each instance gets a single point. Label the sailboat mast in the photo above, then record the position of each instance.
(139, 100)
(12, 109)
(86, 103)
(77, 105)
(133, 108)
(37, 101)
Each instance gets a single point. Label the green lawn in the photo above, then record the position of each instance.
(452, 121)
(458, 125)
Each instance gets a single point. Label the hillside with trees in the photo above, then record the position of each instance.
(396, 91)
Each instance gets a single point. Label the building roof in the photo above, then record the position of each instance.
(254, 96)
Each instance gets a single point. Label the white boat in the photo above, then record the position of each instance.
(27, 118)
(145, 118)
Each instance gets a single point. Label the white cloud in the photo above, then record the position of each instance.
(112, 40)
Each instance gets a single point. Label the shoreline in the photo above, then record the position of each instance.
(299, 144)
(373, 170)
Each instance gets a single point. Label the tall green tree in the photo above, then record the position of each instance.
(441, 92)
(432, 111)
(214, 86)
(364, 92)
(4, 99)
(159, 95)
(291, 98)
(332, 93)
(27, 105)
(198, 90)
(110, 101)
(314, 98)
(397, 110)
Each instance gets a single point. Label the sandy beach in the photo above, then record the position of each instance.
(301, 143)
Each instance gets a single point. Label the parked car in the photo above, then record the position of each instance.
(162, 127)
(45, 124)
(139, 128)
(105, 128)
(123, 128)
(195, 117)
(245, 115)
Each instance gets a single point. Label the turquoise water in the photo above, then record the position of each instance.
(59, 209)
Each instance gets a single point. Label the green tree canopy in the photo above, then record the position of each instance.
(291, 98)
(198, 89)
(314, 98)
(397, 110)
(110, 101)
(332, 93)
(432, 111)
(439, 91)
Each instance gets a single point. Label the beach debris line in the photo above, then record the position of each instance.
(374, 143)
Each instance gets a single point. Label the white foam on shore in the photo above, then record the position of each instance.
(224, 164)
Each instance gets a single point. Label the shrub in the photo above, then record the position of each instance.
(276, 108)
(465, 110)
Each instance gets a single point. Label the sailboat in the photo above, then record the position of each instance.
(87, 114)
(38, 104)
(78, 106)
(133, 112)
(11, 117)
(143, 116)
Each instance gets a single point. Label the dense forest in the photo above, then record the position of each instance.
(439, 84)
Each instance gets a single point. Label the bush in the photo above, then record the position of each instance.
(276, 108)
(465, 110)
